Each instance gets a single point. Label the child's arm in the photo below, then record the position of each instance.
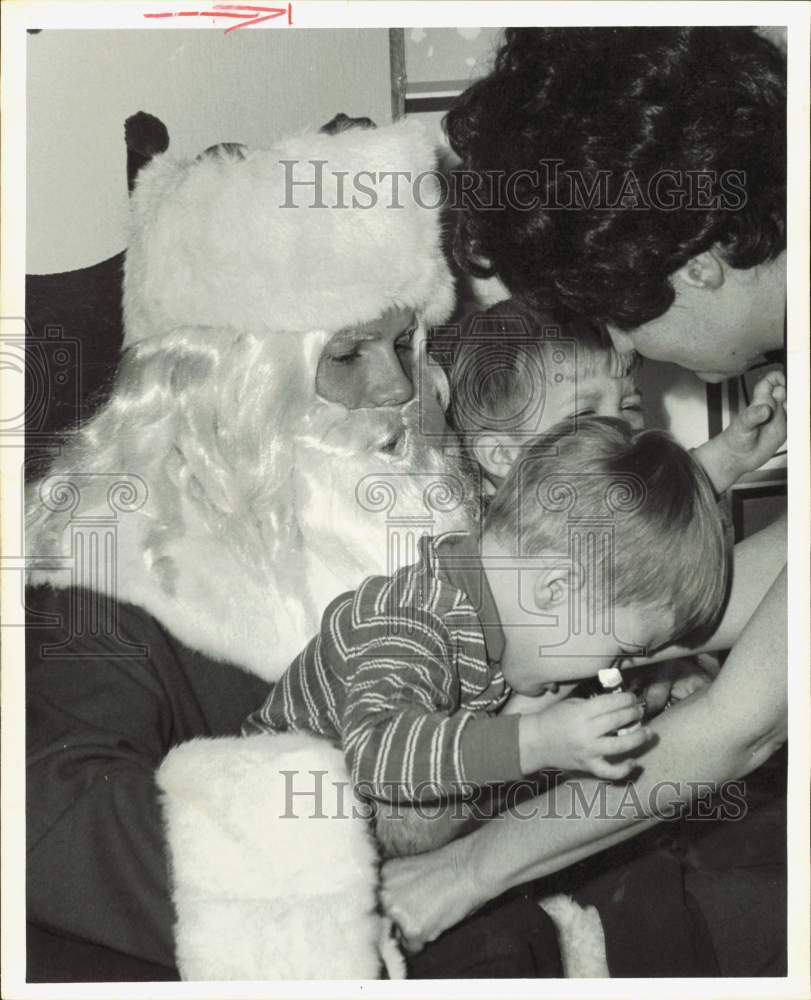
(404, 736)
(751, 439)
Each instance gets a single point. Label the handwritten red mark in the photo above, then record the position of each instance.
(246, 14)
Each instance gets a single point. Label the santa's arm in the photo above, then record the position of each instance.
(183, 856)
(96, 864)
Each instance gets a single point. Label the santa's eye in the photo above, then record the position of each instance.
(405, 341)
(347, 358)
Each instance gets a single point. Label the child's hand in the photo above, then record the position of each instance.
(692, 677)
(523, 704)
(675, 680)
(752, 438)
(760, 430)
(573, 735)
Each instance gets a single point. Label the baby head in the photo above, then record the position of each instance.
(616, 540)
(517, 373)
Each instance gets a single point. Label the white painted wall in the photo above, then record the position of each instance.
(206, 87)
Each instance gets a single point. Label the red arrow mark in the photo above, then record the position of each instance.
(246, 14)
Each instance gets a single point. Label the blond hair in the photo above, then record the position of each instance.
(661, 537)
(199, 414)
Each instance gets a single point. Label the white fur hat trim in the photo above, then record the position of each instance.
(225, 241)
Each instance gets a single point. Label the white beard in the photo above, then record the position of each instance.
(353, 511)
(360, 510)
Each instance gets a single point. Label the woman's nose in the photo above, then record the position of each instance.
(623, 342)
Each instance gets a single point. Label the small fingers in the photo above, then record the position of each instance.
(610, 721)
(756, 414)
(766, 387)
(604, 703)
(613, 746)
(612, 772)
(686, 686)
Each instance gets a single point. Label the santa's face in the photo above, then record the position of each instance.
(369, 365)
(375, 451)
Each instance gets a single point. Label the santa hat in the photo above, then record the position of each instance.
(319, 232)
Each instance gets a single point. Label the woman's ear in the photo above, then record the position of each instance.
(495, 453)
(704, 271)
(552, 586)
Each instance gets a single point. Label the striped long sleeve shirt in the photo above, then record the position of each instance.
(404, 675)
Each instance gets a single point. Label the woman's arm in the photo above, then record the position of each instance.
(756, 562)
(723, 733)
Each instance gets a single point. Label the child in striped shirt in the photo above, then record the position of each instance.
(408, 673)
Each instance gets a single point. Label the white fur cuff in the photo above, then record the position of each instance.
(273, 876)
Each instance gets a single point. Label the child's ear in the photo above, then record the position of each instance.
(495, 453)
(552, 586)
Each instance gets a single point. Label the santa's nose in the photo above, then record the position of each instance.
(392, 388)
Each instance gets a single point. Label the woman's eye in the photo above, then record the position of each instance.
(584, 413)
(636, 407)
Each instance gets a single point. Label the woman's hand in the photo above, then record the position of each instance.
(426, 894)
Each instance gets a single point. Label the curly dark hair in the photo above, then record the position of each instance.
(618, 107)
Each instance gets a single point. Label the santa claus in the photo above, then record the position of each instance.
(275, 433)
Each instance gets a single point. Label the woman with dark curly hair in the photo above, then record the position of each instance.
(644, 185)
(641, 179)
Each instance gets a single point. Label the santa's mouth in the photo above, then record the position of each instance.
(394, 444)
